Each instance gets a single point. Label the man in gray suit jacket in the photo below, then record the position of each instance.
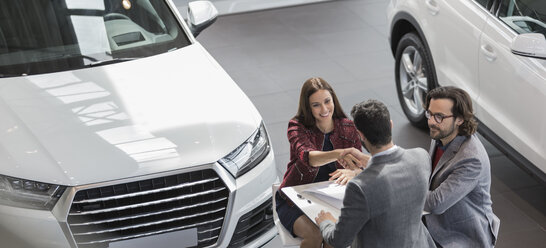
(459, 201)
(383, 204)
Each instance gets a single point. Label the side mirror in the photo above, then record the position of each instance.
(529, 45)
(201, 14)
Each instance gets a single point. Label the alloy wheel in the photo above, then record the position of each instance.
(413, 80)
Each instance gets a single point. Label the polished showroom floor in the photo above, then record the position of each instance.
(271, 53)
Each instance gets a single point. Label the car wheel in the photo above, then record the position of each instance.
(414, 73)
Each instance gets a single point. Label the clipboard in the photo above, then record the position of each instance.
(310, 203)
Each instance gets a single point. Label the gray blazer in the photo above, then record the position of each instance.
(459, 200)
(383, 204)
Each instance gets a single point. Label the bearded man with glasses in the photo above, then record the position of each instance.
(459, 199)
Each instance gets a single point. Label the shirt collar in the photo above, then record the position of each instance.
(383, 153)
(439, 143)
(386, 152)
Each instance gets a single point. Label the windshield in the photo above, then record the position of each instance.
(41, 36)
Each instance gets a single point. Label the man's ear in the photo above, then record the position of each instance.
(392, 125)
(459, 121)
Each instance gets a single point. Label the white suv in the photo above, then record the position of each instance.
(493, 49)
(118, 129)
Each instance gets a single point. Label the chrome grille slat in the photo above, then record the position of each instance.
(150, 233)
(147, 192)
(147, 203)
(207, 239)
(151, 206)
(150, 223)
(209, 230)
(150, 214)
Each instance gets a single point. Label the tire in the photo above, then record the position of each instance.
(415, 80)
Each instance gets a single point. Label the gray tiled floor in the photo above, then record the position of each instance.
(271, 53)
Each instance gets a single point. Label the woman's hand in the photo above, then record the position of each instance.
(342, 176)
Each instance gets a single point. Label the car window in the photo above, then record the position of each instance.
(42, 36)
(524, 16)
(484, 3)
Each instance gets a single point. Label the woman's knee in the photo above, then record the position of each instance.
(306, 229)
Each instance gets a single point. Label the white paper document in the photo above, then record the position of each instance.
(331, 193)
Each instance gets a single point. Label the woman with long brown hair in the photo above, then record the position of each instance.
(317, 135)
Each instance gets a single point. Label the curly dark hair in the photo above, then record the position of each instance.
(462, 107)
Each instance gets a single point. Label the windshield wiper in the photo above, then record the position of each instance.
(110, 61)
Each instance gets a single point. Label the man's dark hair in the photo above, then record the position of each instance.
(372, 118)
(462, 107)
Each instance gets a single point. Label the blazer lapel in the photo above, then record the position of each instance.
(452, 149)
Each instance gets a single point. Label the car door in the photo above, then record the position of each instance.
(452, 30)
(512, 102)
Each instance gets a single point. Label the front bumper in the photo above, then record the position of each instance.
(35, 228)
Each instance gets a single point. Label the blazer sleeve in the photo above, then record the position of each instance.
(349, 134)
(347, 137)
(460, 182)
(300, 141)
(354, 215)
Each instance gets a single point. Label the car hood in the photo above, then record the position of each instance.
(160, 113)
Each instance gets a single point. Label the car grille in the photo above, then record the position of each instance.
(107, 214)
(252, 225)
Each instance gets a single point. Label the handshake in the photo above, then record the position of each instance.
(353, 161)
(352, 158)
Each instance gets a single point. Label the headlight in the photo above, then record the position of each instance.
(247, 155)
(23, 193)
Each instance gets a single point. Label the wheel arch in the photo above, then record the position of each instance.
(402, 24)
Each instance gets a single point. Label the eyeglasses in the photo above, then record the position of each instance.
(437, 117)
